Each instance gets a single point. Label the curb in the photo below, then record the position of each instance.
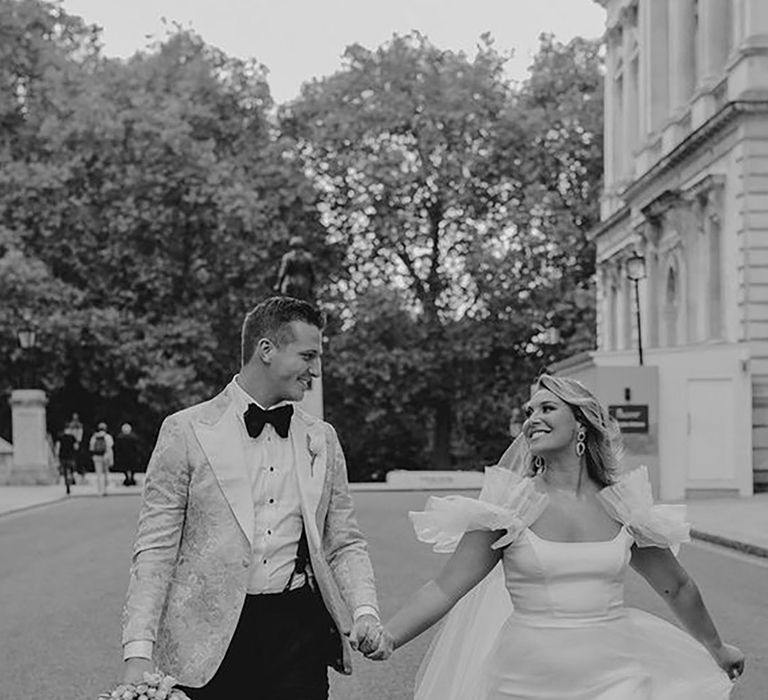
(754, 550)
(62, 498)
(32, 506)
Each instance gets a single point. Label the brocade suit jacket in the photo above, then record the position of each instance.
(190, 564)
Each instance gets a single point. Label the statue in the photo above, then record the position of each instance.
(296, 276)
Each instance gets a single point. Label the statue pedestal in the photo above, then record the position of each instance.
(312, 402)
(31, 452)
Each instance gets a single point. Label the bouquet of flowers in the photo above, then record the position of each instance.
(156, 686)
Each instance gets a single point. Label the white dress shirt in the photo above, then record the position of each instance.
(276, 505)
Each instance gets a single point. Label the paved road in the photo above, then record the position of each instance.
(63, 572)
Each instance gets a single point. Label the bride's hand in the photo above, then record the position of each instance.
(730, 659)
(385, 647)
(135, 668)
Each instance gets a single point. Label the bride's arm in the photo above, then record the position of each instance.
(469, 564)
(674, 584)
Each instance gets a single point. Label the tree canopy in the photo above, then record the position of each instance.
(145, 204)
(469, 197)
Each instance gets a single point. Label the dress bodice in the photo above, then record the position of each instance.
(567, 580)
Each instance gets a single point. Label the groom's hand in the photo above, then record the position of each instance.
(365, 633)
(385, 647)
(134, 669)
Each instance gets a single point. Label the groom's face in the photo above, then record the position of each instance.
(295, 361)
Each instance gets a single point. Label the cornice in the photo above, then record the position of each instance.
(609, 223)
(685, 148)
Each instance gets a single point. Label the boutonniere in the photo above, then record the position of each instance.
(315, 446)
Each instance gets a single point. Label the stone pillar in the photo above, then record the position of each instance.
(755, 21)
(682, 53)
(312, 402)
(715, 18)
(608, 119)
(654, 52)
(31, 452)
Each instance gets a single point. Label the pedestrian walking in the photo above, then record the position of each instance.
(82, 456)
(127, 454)
(101, 448)
(66, 453)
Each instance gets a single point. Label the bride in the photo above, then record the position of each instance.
(535, 583)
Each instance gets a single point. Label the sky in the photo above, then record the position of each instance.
(301, 39)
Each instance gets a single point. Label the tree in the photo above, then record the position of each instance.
(401, 145)
(157, 190)
(472, 199)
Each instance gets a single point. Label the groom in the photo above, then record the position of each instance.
(249, 568)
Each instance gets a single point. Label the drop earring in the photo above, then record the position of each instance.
(581, 444)
(539, 464)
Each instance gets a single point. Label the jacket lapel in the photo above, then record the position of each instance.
(221, 438)
(310, 457)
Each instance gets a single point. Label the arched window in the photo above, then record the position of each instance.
(671, 306)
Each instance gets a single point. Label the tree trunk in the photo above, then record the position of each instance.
(441, 449)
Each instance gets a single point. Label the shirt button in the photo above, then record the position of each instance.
(269, 532)
(271, 500)
(265, 561)
(246, 562)
(271, 469)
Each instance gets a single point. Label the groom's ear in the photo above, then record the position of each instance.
(265, 349)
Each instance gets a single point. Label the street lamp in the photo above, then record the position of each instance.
(636, 272)
(27, 336)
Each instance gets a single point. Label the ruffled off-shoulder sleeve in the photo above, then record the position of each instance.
(630, 501)
(507, 501)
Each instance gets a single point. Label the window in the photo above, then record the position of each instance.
(671, 306)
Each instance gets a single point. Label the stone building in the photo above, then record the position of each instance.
(686, 188)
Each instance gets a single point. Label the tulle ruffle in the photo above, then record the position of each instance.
(507, 501)
(630, 501)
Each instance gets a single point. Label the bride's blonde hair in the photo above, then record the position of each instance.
(603, 437)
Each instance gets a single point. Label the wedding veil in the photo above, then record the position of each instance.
(453, 667)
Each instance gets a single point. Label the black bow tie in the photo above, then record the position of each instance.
(256, 418)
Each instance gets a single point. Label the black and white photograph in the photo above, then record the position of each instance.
(413, 350)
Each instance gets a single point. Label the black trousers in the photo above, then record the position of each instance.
(279, 651)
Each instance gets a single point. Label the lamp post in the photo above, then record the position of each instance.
(27, 336)
(636, 272)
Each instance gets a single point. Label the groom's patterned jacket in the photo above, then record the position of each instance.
(193, 548)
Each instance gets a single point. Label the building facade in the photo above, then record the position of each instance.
(686, 187)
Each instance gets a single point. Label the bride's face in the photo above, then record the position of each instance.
(550, 425)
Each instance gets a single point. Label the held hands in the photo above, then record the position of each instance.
(365, 633)
(370, 638)
(730, 659)
(134, 669)
(384, 648)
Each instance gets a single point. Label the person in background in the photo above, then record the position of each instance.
(82, 456)
(127, 454)
(101, 448)
(66, 453)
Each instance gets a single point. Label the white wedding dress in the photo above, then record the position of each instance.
(549, 623)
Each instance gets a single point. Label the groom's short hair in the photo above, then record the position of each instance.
(270, 319)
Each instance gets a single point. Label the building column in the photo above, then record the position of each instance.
(682, 53)
(714, 38)
(609, 115)
(755, 20)
(654, 52)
